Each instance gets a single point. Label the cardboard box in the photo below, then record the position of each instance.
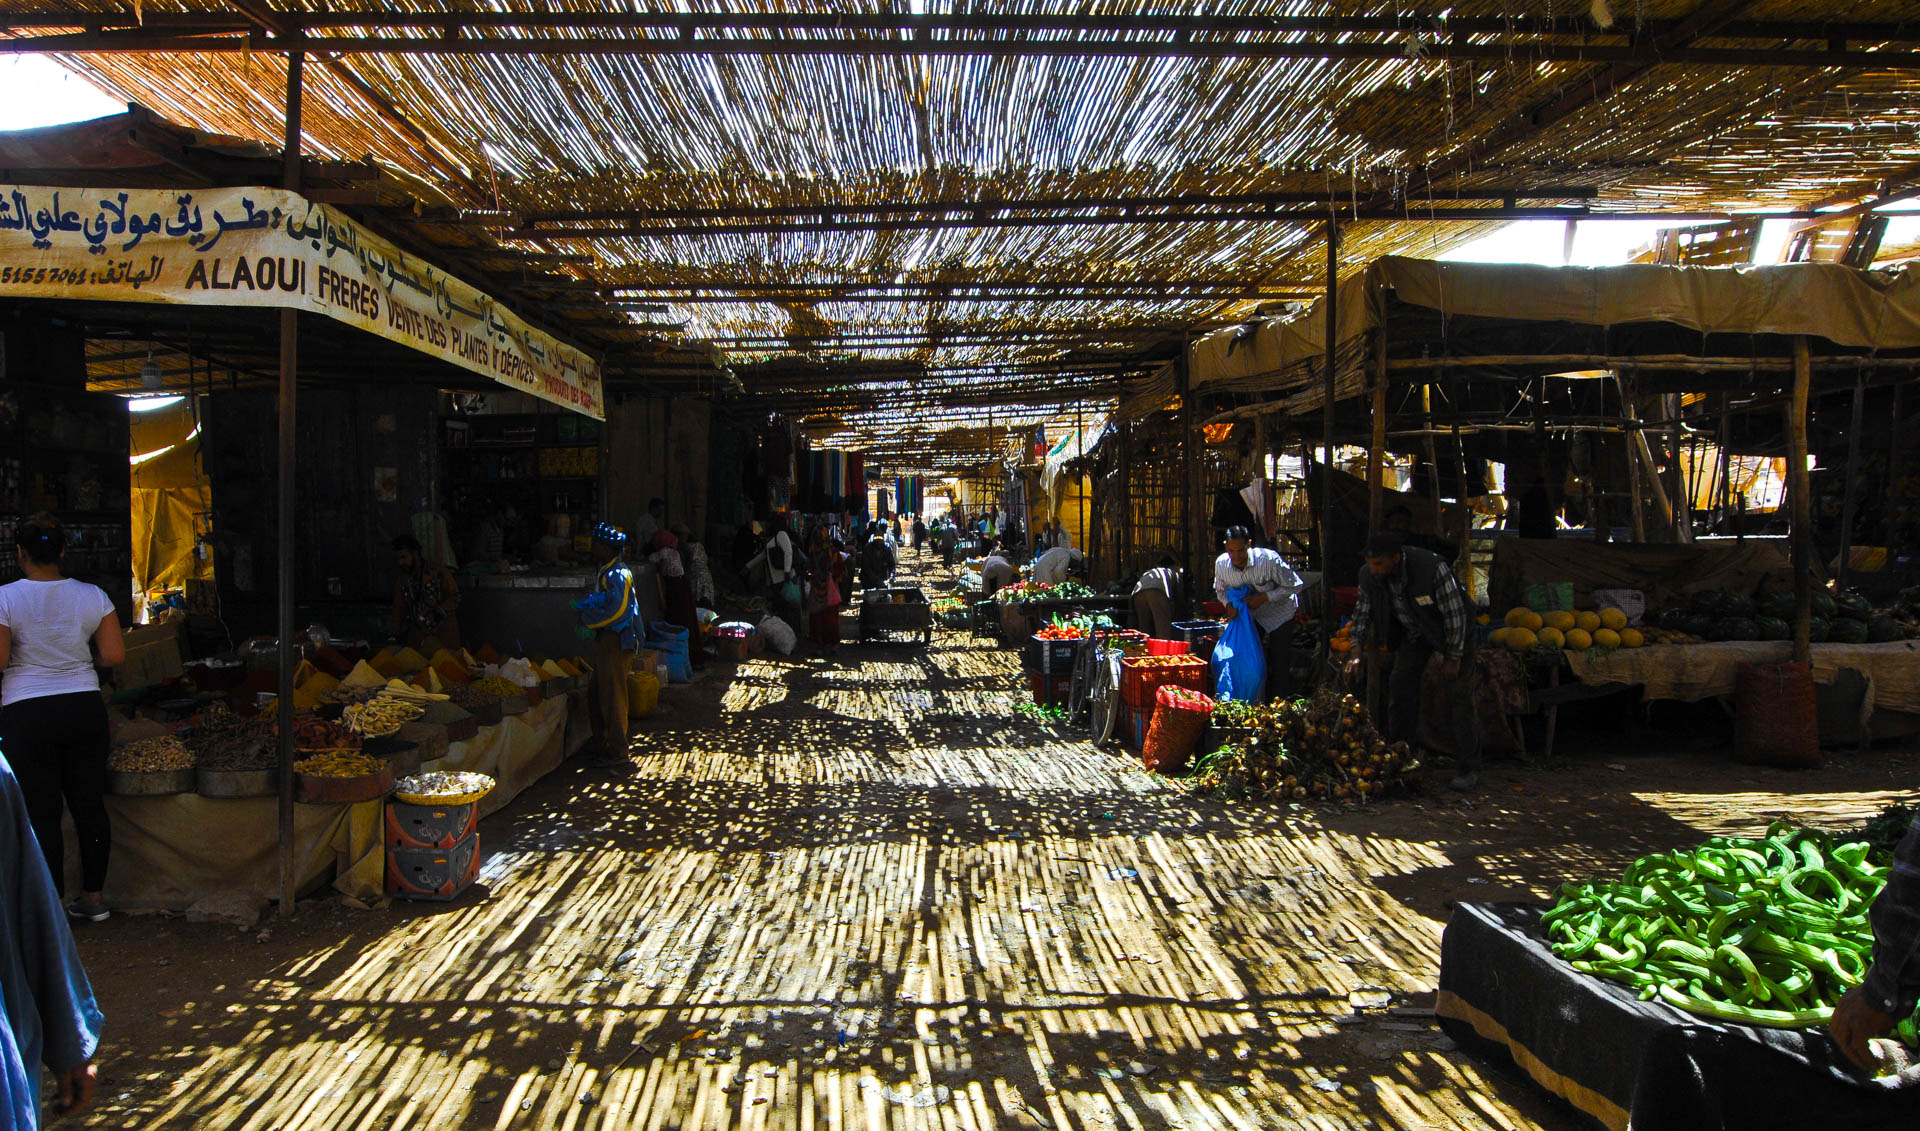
(154, 654)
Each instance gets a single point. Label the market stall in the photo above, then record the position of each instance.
(194, 812)
(1692, 990)
(1589, 396)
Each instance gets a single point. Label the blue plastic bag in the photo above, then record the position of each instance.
(1239, 661)
(670, 640)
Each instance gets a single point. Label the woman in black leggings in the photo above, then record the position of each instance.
(53, 722)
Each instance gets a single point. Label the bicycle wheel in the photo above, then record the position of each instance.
(1079, 695)
(1104, 696)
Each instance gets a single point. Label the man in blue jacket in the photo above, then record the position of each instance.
(51, 1015)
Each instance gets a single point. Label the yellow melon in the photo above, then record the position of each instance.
(1586, 620)
(1498, 637)
(1631, 638)
(1606, 638)
(1579, 639)
(1551, 637)
(1613, 618)
(1521, 639)
(1559, 620)
(1517, 616)
(1483, 618)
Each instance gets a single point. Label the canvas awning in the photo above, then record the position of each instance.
(1849, 307)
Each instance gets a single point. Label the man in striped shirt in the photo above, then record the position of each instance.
(1411, 603)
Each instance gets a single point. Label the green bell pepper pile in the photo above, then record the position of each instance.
(1762, 932)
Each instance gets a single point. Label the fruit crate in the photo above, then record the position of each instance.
(1139, 682)
(1052, 657)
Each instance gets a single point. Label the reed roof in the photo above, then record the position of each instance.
(1436, 110)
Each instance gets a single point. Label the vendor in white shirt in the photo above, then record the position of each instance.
(1052, 567)
(996, 571)
(1275, 600)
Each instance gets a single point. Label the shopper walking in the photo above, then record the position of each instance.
(50, 1017)
(53, 722)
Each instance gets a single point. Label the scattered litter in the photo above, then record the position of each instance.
(1110, 1073)
(926, 1095)
(596, 975)
(626, 957)
(1123, 873)
(1327, 1085)
(1369, 998)
(1476, 880)
(1618, 766)
(1135, 1068)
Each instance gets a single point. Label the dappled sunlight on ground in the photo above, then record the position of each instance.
(860, 893)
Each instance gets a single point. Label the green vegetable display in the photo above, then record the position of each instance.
(1764, 932)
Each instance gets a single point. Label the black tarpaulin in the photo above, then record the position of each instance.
(1625, 1062)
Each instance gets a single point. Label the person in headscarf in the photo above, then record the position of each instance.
(676, 592)
(826, 592)
(52, 1019)
(699, 568)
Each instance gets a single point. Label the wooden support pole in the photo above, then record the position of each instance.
(1679, 489)
(1463, 528)
(1800, 503)
(1432, 452)
(1377, 448)
(289, 404)
(1326, 431)
(1894, 495)
(1853, 477)
(1190, 547)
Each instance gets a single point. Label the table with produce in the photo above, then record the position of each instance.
(1693, 648)
(1692, 988)
(193, 777)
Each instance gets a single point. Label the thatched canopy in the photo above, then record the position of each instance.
(740, 174)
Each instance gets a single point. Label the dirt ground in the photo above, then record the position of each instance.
(862, 892)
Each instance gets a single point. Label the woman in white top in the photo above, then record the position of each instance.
(53, 722)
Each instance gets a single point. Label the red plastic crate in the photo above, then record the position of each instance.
(1168, 648)
(1051, 690)
(1138, 684)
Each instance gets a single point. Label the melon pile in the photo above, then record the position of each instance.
(1578, 631)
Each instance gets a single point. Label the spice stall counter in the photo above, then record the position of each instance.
(522, 748)
(170, 851)
(1618, 1060)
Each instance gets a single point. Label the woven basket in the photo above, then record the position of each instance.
(1173, 734)
(1776, 722)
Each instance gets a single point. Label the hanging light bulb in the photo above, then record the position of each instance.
(150, 372)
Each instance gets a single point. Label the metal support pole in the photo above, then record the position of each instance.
(1853, 473)
(1800, 534)
(1326, 434)
(289, 370)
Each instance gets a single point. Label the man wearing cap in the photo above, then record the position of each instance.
(1411, 603)
(1273, 601)
(610, 616)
